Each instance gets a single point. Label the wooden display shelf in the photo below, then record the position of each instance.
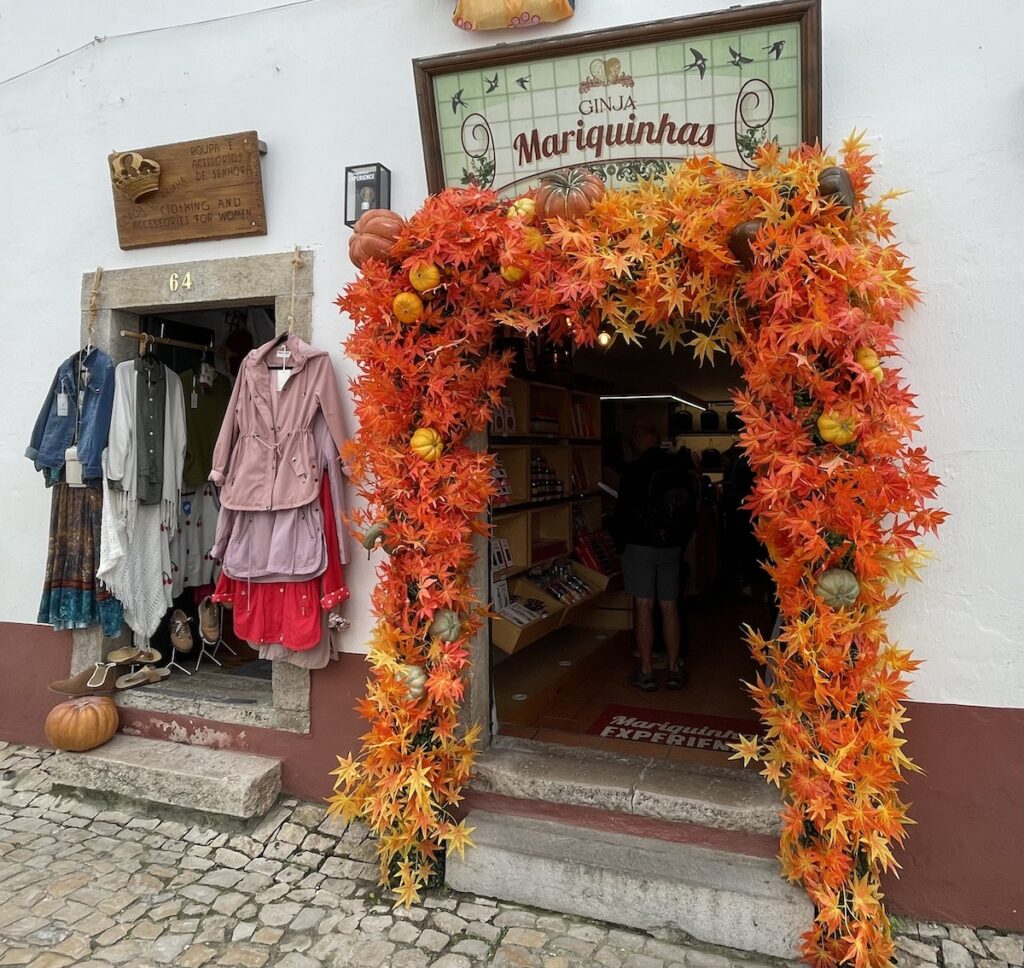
(510, 637)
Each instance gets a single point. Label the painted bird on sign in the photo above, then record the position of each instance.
(699, 61)
(523, 81)
(775, 49)
(492, 83)
(457, 101)
(738, 60)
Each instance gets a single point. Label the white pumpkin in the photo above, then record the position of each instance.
(838, 588)
(415, 679)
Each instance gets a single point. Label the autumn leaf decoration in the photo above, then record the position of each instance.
(811, 323)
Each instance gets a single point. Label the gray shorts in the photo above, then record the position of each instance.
(651, 572)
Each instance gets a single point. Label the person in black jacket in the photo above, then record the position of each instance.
(653, 520)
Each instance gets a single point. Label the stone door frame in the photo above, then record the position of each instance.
(124, 295)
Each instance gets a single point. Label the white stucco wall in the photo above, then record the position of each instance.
(329, 83)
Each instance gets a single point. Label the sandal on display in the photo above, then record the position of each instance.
(96, 680)
(143, 677)
(209, 621)
(181, 634)
(130, 655)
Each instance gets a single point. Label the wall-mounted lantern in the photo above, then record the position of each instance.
(366, 187)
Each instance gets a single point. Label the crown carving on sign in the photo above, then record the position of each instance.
(134, 175)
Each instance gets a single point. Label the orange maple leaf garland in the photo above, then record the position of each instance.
(840, 491)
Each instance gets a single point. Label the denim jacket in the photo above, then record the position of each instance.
(54, 433)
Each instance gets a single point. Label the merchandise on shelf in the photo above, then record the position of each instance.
(502, 487)
(561, 582)
(544, 485)
(596, 549)
(545, 422)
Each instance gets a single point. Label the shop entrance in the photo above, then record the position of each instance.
(564, 647)
(208, 312)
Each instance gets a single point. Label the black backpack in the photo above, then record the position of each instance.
(670, 507)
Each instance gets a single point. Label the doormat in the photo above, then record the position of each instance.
(663, 727)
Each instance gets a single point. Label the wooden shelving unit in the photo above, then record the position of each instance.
(561, 428)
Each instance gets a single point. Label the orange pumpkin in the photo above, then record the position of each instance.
(408, 307)
(568, 194)
(374, 235)
(427, 443)
(81, 724)
(424, 276)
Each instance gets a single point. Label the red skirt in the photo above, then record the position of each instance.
(288, 613)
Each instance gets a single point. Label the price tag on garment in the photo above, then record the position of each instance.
(284, 353)
(62, 404)
(195, 400)
(282, 378)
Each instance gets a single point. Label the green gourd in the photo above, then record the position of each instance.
(838, 588)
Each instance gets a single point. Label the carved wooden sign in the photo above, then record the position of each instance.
(188, 191)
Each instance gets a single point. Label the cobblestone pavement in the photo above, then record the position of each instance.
(88, 886)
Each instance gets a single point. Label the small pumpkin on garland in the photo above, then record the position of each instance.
(377, 535)
(446, 625)
(838, 588)
(424, 276)
(513, 274)
(374, 236)
(837, 428)
(427, 443)
(415, 679)
(524, 208)
(407, 307)
(740, 239)
(568, 194)
(82, 723)
(835, 185)
(868, 359)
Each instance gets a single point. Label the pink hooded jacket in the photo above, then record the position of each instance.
(265, 456)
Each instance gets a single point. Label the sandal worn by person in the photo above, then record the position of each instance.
(677, 678)
(644, 681)
(143, 677)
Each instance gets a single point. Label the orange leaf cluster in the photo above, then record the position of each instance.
(827, 284)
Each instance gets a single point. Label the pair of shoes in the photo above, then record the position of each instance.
(209, 621)
(181, 634)
(102, 679)
(644, 681)
(677, 678)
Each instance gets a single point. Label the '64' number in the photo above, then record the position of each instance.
(178, 281)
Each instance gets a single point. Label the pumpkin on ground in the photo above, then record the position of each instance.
(868, 359)
(427, 443)
(408, 307)
(82, 723)
(375, 235)
(424, 276)
(837, 428)
(837, 588)
(415, 679)
(568, 194)
(524, 208)
(446, 626)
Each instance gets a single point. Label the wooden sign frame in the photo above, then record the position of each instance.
(805, 13)
(210, 188)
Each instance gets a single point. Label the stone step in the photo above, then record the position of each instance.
(665, 790)
(192, 777)
(712, 895)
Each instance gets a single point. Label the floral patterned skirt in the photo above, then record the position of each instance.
(72, 598)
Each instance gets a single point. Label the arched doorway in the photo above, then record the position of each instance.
(789, 269)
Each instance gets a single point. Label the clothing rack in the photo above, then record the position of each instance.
(144, 338)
